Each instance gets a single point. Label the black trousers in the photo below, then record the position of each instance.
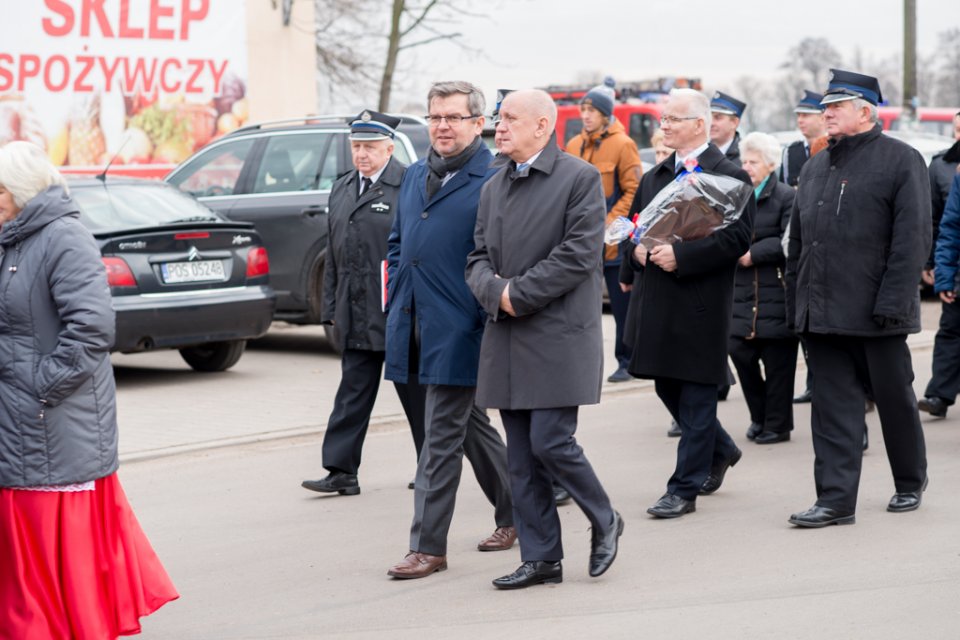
(844, 367)
(768, 392)
(945, 382)
(353, 404)
(456, 427)
(541, 449)
(619, 302)
(703, 442)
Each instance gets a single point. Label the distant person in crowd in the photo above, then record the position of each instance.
(75, 562)
(434, 326)
(660, 150)
(362, 208)
(680, 309)
(536, 271)
(726, 112)
(604, 143)
(762, 347)
(859, 235)
(942, 389)
(812, 126)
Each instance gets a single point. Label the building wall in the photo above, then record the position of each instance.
(282, 61)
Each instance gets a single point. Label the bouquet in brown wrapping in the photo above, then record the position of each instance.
(691, 207)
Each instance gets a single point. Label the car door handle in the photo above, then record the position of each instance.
(313, 211)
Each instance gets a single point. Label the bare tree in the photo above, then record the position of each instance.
(810, 60)
(414, 23)
(947, 84)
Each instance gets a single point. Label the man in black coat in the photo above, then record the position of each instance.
(859, 235)
(362, 207)
(680, 309)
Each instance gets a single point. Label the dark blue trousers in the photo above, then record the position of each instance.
(703, 442)
(619, 302)
(540, 449)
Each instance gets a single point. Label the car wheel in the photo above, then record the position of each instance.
(214, 356)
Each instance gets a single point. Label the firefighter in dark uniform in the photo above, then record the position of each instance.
(362, 207)
(811, 124)
(859, 235)
(726, 113)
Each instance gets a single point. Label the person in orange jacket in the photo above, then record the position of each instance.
(604, 143)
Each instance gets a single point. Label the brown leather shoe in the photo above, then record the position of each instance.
(500, 540)
(417, 565)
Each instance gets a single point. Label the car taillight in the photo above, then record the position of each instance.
(118, 273)
(257, 262)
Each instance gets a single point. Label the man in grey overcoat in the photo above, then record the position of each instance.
(536, 271)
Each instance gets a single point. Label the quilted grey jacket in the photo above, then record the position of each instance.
(57, 396)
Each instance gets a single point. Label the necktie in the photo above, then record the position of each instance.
(365, 183)
(522, 166)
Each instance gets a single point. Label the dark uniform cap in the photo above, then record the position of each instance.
(809, 103)
(722, 103)
(370, 125)
(847, 85)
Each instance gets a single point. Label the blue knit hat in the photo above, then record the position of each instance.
(599, 98)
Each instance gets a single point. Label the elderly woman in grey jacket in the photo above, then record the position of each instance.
(75, 561)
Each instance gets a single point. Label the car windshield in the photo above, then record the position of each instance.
(112, 207)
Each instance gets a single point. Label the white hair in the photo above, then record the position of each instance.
(860, 103)
(699, 104)
(764, 144)
(25, 171)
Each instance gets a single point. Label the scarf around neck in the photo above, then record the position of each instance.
(440, 166)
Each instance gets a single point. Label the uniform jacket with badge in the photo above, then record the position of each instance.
(615, 155)
(733, 151)
(358, 228)
(427, 254)
(943, 168)
(540, 230)
(794, 157)
(948, 244)
(759, 295)
(58, 409)
(859, 236)
(679, 322)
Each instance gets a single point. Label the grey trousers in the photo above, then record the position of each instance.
(454, 428)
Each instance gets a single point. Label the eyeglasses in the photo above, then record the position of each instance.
(672, 120)
(453, 120)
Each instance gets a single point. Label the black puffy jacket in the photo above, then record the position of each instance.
(759, 297)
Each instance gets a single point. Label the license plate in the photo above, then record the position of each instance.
(197, 271)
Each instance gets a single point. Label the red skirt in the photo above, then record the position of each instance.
(75, 565)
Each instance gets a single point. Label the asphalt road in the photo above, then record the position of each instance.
(212, 465)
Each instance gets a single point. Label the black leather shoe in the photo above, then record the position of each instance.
(531, 573)
(337, 482)
(715, 479)
(603, 546)
(772, 437)
(674, 430)
(620, 375)
(804, 397)
(411, 485)
(907, 501)
(937, 407)
(672, 506)
(722, 392)
(560, 495)
(817, 516)
(754, 430)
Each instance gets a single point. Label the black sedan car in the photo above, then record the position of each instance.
(182, 276)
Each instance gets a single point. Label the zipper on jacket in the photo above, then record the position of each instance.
(756, 303)
(843, 185)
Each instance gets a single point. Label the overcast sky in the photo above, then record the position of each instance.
(538, 42)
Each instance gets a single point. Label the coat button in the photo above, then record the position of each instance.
(424, 215)
(820, 204)
(833, 168)
(815, 243)
(406, 309)
(415, 262)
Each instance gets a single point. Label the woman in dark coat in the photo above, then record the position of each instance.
(74, 563)
(759, 333)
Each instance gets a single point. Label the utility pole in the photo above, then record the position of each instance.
(910, 60)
